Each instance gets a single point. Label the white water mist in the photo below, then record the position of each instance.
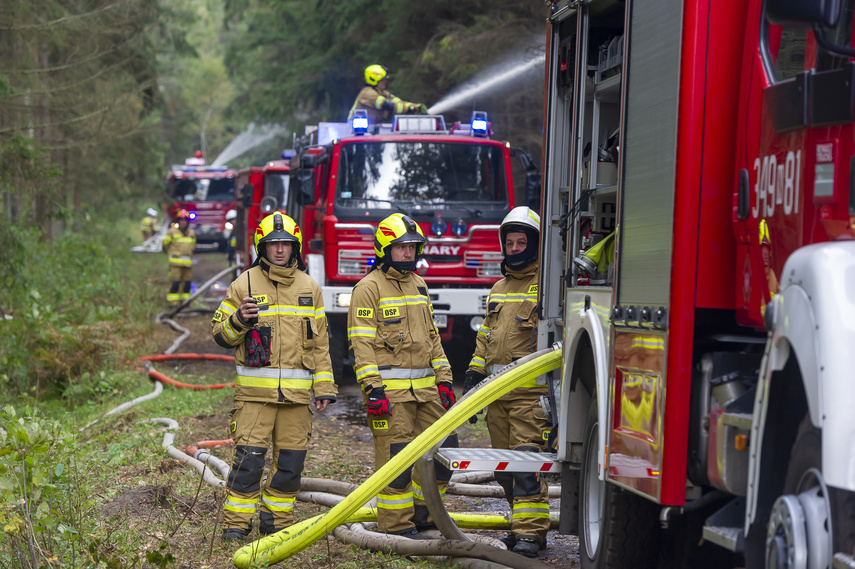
(250, 138)
(490, 80)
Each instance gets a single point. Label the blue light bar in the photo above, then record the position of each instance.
(360, 121)
(479, 123)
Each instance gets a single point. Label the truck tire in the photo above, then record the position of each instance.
(617, 529)
(804, 473)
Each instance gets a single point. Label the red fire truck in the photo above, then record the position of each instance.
(261, 191)
(699, 270)
(455, 182)
(207, 193)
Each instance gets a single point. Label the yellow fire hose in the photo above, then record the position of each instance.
(281, 545)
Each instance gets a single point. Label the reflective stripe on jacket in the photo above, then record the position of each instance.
(291, 305)
(179, 246)
(395, 342)
(380, 106)
(509, 330)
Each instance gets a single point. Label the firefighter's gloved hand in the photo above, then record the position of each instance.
(378, 403)
(446, 394)
(471, 379)
(423, 110)
(257, 348)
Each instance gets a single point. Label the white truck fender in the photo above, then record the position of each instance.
(813, 318)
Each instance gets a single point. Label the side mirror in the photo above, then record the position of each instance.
(308, 161)
(268, 204)
(802, 14)
(246, 195)
(306, 179)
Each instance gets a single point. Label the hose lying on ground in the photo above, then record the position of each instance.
(169, 438)
(283, 544)
(403, 546)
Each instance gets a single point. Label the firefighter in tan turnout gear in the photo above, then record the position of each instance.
(179, 243)
(273, 316)
(516, 421)
(401, 366)
(380, 105)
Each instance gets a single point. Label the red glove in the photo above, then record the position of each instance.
(446, 394)
(378, 403)
(257, 348)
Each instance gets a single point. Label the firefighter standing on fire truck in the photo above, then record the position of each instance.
(381, 105)
(401, 366)
(273, 316)
(179, 243)
(516, 421)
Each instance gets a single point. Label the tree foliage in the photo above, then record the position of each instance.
(304, 59)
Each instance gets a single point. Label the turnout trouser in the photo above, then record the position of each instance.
(520, 424)
(179, 289)
(252, 426)
(400, 505)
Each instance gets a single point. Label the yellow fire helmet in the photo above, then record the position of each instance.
(764, 233)
(278, 227)
(398, 228)
(374, 74)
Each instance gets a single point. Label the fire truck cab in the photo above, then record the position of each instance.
(261, 191)
(207, 193)
(454, 181)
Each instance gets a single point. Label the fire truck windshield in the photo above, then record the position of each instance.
(438, 175)
(203, 189)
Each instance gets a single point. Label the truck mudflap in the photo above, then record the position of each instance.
(813, 320)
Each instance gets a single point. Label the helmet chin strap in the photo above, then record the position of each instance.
(527, 256)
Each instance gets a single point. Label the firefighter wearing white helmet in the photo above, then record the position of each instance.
(273, 317)
(148, 225)
(381, 105)
(516, 421)
(401, 366)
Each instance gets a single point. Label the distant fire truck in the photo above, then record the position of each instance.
(698, 265)
(261, 190)
(454, 181)
(207, 193)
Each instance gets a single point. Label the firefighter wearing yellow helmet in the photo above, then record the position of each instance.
(179, 244)
(401, 366)
(381, 105)
(516, 421)
(273, 317)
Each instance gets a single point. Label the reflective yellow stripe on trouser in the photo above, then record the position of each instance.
(530, 518)
(239, 509)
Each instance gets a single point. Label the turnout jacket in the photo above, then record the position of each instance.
(291, 305)
(380, 106)
(395, 342)
(179, 245)
(509, 331)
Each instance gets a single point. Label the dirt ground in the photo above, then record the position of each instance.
(172, 511)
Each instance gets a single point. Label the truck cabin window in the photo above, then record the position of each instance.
(392, 175)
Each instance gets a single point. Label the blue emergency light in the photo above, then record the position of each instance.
(288, 153)
(479, 123)
(360, 121)
(192, 215)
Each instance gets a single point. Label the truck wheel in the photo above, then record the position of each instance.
(617, 529)
(798, 532)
